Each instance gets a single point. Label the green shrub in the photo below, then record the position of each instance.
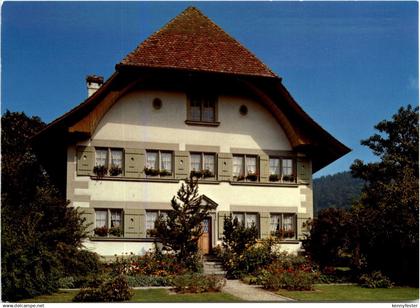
(196, 283)
(113, 290)
(375, 280)
(83, 263)
(289, 280)
(66, 282)
(288, 272)
(90, 281)
(149, 281)
(337, 275)
(239, 254)
(249, 261)
(236, 236)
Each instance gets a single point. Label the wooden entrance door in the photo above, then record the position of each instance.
(204, 242)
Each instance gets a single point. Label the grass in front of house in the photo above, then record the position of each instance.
(144, 295)
(58, 297)
(352, 293)
(163, 295)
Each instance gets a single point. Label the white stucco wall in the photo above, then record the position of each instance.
(133, 118)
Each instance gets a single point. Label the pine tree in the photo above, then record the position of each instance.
(181, 229)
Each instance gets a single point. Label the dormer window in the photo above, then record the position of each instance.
(202, 110)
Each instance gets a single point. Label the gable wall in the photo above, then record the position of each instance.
(133, 118)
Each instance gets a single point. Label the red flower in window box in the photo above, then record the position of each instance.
(101, 231)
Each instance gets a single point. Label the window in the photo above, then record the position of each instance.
(152, 159)
(283, 225)
(116, 158)
(281, 169)
(151, 217)
(101, 218)
(116, 218)
(275, 166)
(101, 157)
(245, 168)
(108, 222)
(247, 219)
(108, 161)
(203, 165)
(158, 163)
(287, 167)
(202, 108)
(287, 170)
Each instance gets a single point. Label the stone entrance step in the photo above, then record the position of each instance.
(212, 266)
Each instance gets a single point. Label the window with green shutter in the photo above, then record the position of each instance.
(151, 217)
(108, 223)
(244, 168)
(283, 225)
(108, 161)
(281, 169)
(202, 165)
(158, 164)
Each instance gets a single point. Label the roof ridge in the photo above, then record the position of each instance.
(230, 36)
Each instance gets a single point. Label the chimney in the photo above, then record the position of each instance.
(93, 83)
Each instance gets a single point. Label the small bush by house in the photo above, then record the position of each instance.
(375, 280)
(149, 281)
(197, 283)
(288, 272)
(112, 290)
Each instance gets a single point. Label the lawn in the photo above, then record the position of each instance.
(144, 295)
(352, 293)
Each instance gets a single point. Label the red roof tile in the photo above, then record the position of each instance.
(192, 41)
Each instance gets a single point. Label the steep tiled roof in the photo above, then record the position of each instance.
(191, 41)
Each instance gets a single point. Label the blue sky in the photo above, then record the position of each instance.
(348, 64)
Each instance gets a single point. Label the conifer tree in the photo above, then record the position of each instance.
(181, 229)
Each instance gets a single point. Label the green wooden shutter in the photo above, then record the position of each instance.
(88, 214)
(264, 168)
(224, 166)
(265, 224)
(302, 225)
(220, 223)
(182, 164)
(303, 170)
(85, 160)
(134, 162)
(134, 223)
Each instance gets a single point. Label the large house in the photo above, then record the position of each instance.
(190, 98)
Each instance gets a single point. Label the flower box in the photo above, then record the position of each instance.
(100, 171)
(101, 231)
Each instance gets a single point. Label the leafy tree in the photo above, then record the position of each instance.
(389, 205)
(39, 232)
(239, 255)
(181, 229)
(381, 229)
(329, 236)
(236, 236)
